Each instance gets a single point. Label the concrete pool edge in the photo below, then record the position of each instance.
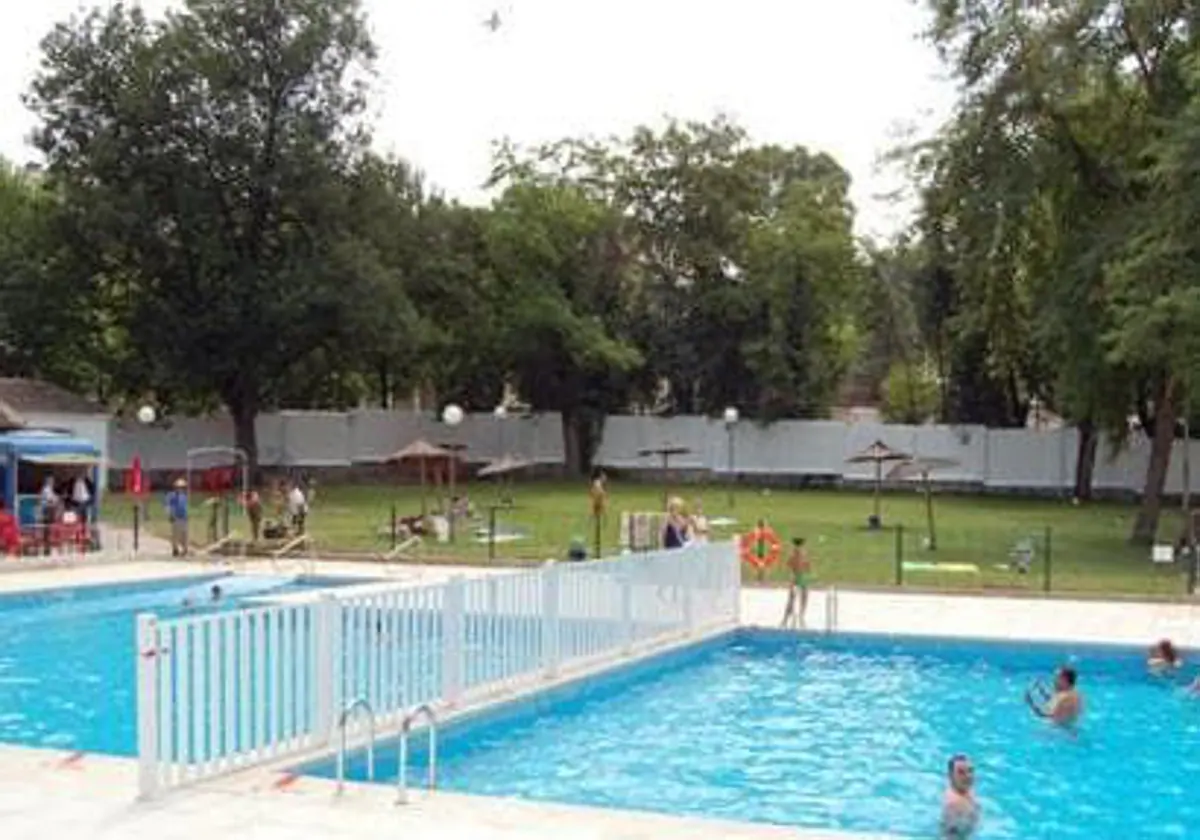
(42, 795)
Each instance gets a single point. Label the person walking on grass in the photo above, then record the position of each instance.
(799, 568)
(177, 514)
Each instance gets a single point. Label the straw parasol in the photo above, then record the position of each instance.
(422, 451)
(504, 465)
(503, 468)
(877, 453)
(917, 467)
(664, 452)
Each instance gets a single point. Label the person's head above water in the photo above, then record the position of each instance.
(1065, 679)
(1166, 651)
(960, 773)
(216, 592)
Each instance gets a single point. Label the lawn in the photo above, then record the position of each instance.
(1086, 544)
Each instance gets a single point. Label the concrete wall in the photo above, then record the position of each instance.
(998, 459)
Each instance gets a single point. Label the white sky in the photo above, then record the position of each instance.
(842, 76)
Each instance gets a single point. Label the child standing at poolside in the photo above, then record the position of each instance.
(799, 568)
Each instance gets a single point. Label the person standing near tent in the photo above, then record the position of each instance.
(297, 507)
(51, 510)
(177, 515)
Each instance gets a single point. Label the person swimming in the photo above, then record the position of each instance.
(960, 808)
(1164, 657)
(1064, 705)
(215, 592)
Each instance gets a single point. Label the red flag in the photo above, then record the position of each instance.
(134, 484)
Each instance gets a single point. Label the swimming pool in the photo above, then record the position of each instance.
(67, 658)
(849, 733)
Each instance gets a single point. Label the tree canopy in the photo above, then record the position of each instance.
(217, 231)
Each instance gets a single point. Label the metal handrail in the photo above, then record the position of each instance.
(424, 710)
(347, 714)
(831, 609)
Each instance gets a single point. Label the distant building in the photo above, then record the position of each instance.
(38, 404)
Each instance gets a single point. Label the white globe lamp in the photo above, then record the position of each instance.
(146, 415)
(731, 416)
(452, 415)
(501, 411)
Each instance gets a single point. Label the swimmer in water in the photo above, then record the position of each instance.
(960, 808)
(1064, 705)
(1164, 658)
(216, 592)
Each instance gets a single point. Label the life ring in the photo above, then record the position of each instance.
(761, 548)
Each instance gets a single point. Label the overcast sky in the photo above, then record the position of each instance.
(842, 76)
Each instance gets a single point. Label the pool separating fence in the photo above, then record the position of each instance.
(224, 691)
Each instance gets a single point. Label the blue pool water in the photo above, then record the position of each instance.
(849, 733)
(67, 656)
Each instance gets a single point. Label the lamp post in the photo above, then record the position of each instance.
(1036, 405)
(452, 416)
(500, 412)
(731, 418)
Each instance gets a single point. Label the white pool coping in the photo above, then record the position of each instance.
(48, 793)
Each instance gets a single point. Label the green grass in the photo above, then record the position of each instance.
(1087, 544)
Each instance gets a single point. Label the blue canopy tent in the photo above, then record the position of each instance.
(27, 456)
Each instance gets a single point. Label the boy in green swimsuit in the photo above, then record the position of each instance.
(799, 569)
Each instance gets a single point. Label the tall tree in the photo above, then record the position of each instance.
(1085, 91)
(208, 160)
(747, 272)
(564, 272)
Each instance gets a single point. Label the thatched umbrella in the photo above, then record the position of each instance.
(665, 452)
(504, 467)
(877, 453)
(422, 451)
(918, 467)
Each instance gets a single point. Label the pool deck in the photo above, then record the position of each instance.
(46, 793)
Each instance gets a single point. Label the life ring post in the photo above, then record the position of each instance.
(761, 549)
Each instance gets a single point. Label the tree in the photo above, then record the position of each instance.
(1082, 94)
(69, 342)
(563, 271)
(747, 276)
(208, 161)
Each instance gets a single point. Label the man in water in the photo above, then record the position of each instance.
(960, 809)
(1064, 705)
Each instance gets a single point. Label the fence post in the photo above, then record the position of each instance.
(327, 658)
(899, 555)
(550, 587)
(733, 579)
(628, 631)
(686, 583)
(137, 525)
(453, 643)
(1047, 577)
(1192, 559)
(147, 704)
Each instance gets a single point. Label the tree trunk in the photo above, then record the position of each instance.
(246, 437)
(572, 423)
(1085, 460)
(1145, 527)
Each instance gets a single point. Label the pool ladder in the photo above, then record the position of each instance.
(831, 609)
(423, 711)
(343, 723)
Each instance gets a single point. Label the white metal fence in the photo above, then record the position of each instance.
(224, 691)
